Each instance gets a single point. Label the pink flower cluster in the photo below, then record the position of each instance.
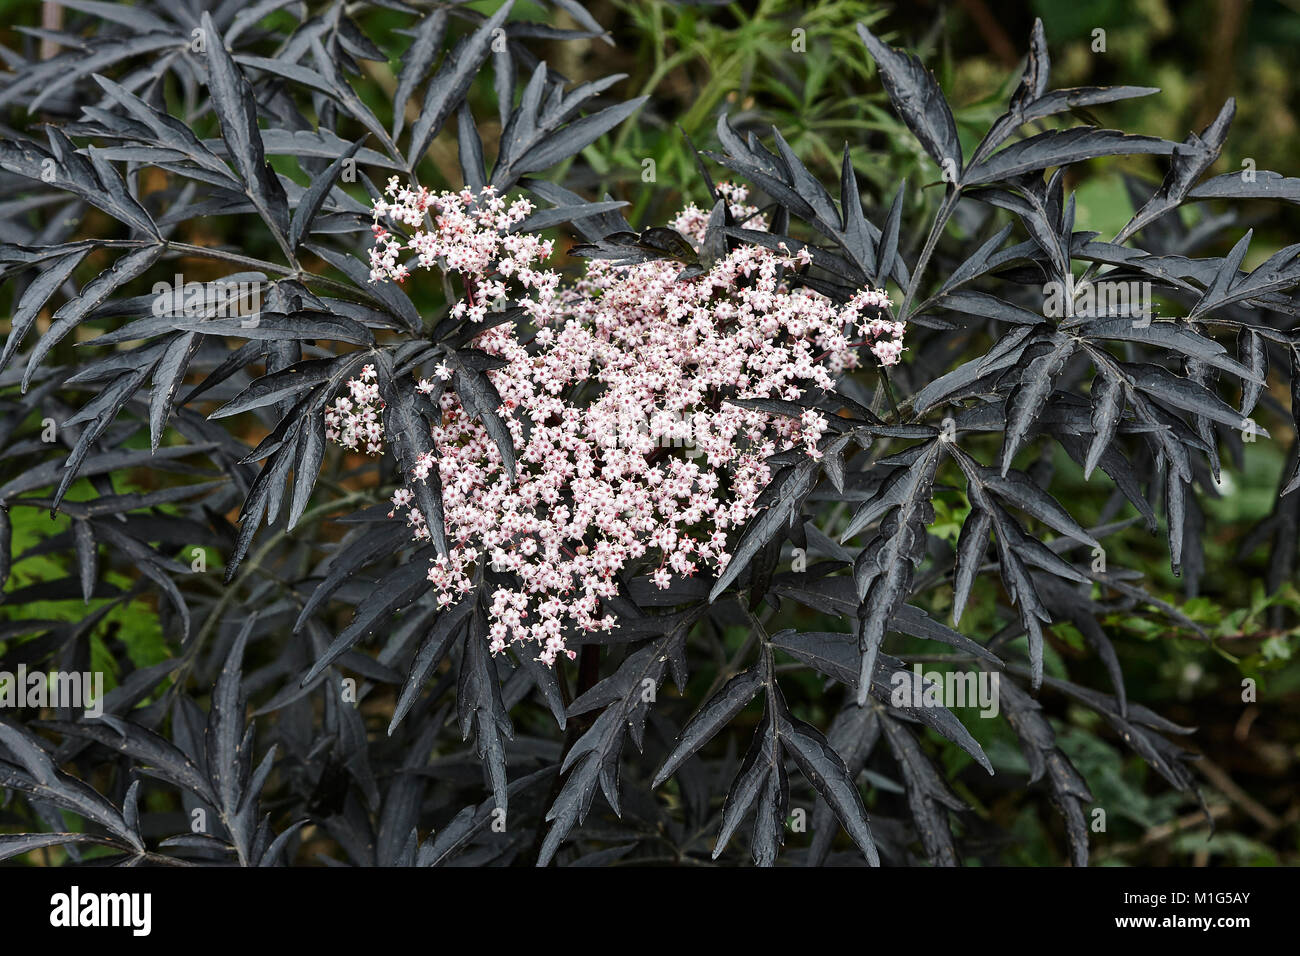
(470, 237)
(354, 422)
(629, 454)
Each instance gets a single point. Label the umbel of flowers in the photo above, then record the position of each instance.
(615, 393)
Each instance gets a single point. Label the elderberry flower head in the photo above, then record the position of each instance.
(653, 468)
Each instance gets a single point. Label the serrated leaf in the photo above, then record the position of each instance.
(1107, 407)
(713, 716)
(824, 769)
(916, 96)
(446, 91)
(1061, 148)
(236, 109)
(436, 644)
(482, 402)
